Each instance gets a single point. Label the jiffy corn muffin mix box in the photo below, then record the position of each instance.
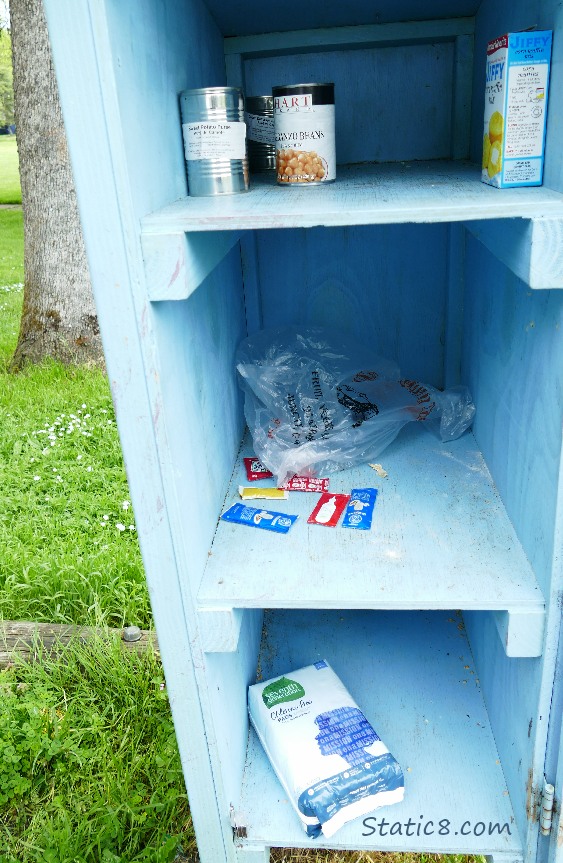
(515, 109)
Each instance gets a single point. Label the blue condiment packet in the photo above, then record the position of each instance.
(279, 522)
(359, 511)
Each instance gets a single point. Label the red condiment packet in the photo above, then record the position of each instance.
(329, 509)
(306, 483)
(255, 469)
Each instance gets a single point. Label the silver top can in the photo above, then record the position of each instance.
(214, 140)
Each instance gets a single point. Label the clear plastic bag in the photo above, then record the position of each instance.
(317, 402)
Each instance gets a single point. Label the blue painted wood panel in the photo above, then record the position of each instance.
(201, 403)
(390, 103)
(513, 359)
(242, 17)
(158, 50)
(384, 285)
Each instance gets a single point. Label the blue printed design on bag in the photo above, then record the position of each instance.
(327, 797)
(359, 511)
(345, 731)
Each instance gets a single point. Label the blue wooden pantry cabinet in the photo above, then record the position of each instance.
(444, 620)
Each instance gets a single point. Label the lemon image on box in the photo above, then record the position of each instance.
(495, 158)
(486, 152)
(492, 144)
(496, 126)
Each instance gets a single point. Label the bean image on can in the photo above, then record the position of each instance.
(304, 134)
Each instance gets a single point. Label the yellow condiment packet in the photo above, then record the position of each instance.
(265, 493)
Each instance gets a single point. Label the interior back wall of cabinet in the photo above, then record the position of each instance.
(384, 285)
(392, 103)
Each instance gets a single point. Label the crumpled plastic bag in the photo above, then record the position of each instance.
(318, 402)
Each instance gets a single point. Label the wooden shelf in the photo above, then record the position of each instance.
(440, 539)
(183, 242)
(413, 676)
(368, 194)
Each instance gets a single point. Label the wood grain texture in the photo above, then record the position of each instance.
(440, 539)
(414, 678)
(513, 362)
(362, 194)
(392, 116)
(31, 641)
(250, 16)
(530, 248)
(177, 264)
(325, 39)
(361, 281)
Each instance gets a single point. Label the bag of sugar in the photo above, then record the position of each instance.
(331, 763)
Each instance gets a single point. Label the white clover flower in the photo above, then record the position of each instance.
(36, 478)
(89, 468)
(126, 504)
(78, 457)
(106, 517)
(120, 527)
(131, 527)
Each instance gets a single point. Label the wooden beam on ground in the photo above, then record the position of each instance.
(28, 641)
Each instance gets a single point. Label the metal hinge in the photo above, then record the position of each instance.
(546, 812)
(236, 821)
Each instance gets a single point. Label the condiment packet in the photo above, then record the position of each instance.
(306, 483)
(279, 522)
(328, 509)
(256, 470)
(359, 511)
(264, 493)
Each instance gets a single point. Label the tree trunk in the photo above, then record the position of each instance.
(59, 317)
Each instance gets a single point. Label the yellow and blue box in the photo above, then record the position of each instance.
(516, 93)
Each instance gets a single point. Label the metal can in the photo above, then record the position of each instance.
(214, 140)
(304, 133)
(260, 133)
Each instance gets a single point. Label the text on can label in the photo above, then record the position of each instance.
(214, 140)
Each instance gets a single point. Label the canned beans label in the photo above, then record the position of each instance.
(305, 151)
(214, 140)
(260, 128)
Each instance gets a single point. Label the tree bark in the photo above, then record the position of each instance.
(59, 317)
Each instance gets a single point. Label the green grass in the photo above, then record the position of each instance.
(90, 771)
(10, 192)
(89, 768)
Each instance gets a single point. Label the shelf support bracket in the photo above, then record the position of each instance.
(531, 248)
(177, 263)
(220, 629)
(521, 632)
